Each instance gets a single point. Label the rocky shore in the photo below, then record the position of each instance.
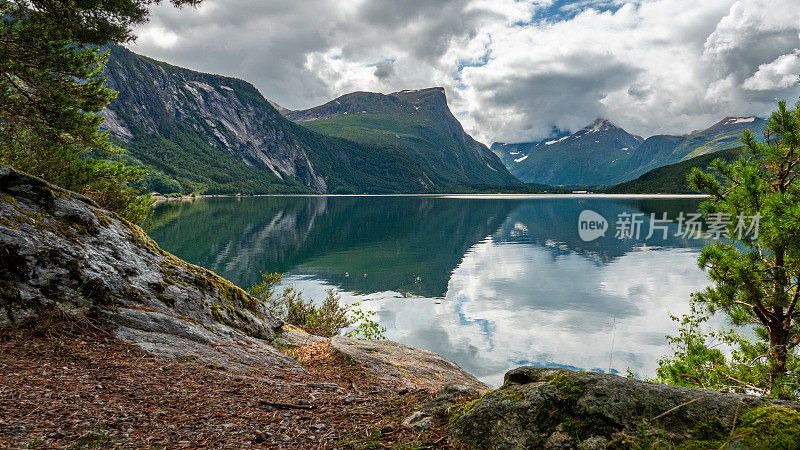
(108, 340)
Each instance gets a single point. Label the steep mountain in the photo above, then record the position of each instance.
(214, 134)
(673, 178)
(604, 154)
(588, 157)
(418, 123)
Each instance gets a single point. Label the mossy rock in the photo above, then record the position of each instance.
(768, 427)
(556, 408)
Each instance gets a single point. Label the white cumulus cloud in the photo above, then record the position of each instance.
(779, 74)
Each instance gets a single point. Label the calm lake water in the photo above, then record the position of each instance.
(491, 283)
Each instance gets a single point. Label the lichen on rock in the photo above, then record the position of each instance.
(446, 405)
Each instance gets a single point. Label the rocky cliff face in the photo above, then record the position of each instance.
(158, 99)
(215, 134)
(63, 256)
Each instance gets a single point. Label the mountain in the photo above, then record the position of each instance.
(722, 135)
(198, 132)
(673, 178)
(604, 154)
(590, 156)
(417, 123)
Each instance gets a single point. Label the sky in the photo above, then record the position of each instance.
(513, 70)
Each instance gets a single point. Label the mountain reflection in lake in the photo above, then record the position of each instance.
(490, 283)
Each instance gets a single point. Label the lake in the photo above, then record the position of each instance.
(489, 282)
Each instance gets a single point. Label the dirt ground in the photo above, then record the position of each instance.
(79, 387)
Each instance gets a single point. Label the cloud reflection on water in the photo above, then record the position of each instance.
(512, 304)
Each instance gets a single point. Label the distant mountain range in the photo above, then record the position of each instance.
(206, 133)
(417, 123)
(603, 154)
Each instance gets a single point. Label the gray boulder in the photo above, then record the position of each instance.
(556, 408)
(414, 367)
(61, 254)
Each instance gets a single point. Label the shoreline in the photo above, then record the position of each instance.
(498, 196)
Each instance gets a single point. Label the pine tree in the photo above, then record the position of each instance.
(756, 278)
(52, 90)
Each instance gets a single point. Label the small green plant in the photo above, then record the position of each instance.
(698, 359)
(366, 327)
(36, 443)
(327, 320)
(99, 437)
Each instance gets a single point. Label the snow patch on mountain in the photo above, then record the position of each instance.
(556, 140)
(735, 120)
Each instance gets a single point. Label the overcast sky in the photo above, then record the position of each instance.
(513, 70)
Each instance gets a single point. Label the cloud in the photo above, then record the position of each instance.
(513, 70)
(158, 37)
(665, 66)
(779, 74)
(384, 70)
(531, 101)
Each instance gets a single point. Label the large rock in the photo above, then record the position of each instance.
(62, 254)
(395, 362)
(556, 408)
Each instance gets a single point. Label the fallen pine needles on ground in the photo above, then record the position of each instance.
(79, 387)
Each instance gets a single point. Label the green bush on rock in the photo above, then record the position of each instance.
(326, 320)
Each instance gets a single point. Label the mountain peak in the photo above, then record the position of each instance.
(731, 124)
(417, 122)
(730, 121)
(412, 102)
(418, 97)
(423, 90)
(600, 124)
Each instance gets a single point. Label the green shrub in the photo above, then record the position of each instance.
(698, 359)
(327, 320)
